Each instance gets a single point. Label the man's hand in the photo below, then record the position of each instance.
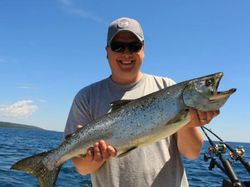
(95, 157)
(100, 152)
(200, 118)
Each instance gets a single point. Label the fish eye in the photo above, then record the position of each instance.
(209, 82)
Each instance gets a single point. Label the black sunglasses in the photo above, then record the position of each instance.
(120, 47)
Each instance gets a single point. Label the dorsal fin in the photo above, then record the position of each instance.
(118, 104)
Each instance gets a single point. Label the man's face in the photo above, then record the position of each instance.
(125, 65)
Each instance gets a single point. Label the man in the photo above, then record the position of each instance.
(158, 164)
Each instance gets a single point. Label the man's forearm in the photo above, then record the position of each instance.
(189, 142)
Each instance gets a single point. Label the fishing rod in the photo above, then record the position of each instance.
(236, 154)
(218, 150)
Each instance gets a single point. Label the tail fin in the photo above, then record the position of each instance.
(34, 166)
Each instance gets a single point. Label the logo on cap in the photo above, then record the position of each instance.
(123, 23)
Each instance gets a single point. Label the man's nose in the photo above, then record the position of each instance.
(127, 52)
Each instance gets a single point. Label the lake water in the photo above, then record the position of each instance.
(16, 144)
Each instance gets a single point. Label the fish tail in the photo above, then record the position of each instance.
(34, 166)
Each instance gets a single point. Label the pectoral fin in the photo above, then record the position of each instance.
(180, 117)
(127, 151)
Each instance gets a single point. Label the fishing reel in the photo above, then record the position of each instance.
(238, 153)
(220, 148)
(217, 149)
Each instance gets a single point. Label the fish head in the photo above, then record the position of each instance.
(202, 93)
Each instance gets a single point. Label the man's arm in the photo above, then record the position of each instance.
(189, 138)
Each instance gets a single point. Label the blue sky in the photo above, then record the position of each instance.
(52, 48)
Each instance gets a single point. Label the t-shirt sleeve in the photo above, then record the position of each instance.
(168, 82)
(163, 82)
(79, 113)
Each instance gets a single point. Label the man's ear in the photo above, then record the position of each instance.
(107, 52)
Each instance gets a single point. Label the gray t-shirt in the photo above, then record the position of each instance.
(155, 165)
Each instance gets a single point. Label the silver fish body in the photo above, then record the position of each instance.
(134, 124)
(142, 121)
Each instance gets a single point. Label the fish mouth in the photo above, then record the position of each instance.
(215, 94)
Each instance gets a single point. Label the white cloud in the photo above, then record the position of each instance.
(42, 100)
(74, 9)
(20, 109)
(24, 87)
(66, 2)
(86, 14)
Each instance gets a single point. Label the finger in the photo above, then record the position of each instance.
(194, 118)
(97, 153)
(89, 154)
(202, 117)
(210, 116)
(216, 113)
(111, 150)
(194, 115)
(103, 146)
(79, 126)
